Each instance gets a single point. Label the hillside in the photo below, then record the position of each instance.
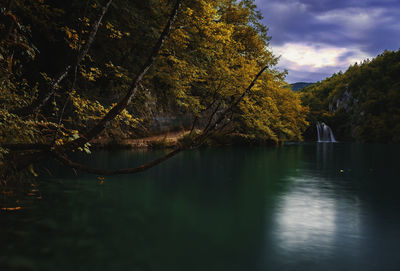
(362, 104)
(300, 85)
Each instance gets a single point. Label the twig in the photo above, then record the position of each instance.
(196, 142)
(34, 107)
(122, 104)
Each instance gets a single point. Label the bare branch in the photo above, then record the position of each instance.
(60, 153)
(193, 125)
(234, 104)
(39, 103)
(196, 142)
(211, 127)
(122, 104)
(65, 161)
(57, 151)
(210, 119)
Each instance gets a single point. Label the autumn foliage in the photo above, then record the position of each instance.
(211, 55)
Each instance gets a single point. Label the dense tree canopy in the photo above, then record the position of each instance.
(363, 103)
(56, 84)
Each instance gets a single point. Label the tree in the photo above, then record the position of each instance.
(362, 103)
(208, 68)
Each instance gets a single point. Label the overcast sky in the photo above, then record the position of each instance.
(317, 38)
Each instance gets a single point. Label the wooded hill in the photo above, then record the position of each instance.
(299, 85)
(72, 71)
(362, 104)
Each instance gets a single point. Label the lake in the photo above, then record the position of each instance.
(311, 206)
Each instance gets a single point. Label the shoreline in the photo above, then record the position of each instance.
(165, 140)
(171, 139)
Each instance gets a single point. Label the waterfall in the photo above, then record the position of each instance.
(324, 133)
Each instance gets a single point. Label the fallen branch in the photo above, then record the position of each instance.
(196, 142)
(61, 151)
(65, 161)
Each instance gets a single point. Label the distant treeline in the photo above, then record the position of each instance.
(362, 104)
(299, 85)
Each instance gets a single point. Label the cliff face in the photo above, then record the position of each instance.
(362, 104)
(346, 102)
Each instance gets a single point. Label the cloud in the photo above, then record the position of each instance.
(312, 56)
(330, 33)
(314, 60)
(352, 19)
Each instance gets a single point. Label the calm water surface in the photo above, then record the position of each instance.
(298, 207)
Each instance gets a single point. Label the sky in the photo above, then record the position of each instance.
(316, 38)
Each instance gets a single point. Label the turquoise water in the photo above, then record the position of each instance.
(312, 206)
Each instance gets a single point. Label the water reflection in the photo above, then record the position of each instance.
(313, 219)
(330, 211)
(324, 154)
(305, 216)
(299, 207)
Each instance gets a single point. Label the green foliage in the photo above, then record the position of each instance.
(299, 85)
(362, 103)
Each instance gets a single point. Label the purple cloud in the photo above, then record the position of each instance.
(356, 28)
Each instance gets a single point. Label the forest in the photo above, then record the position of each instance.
(248, 182)
(75, 71)
(361, 104)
